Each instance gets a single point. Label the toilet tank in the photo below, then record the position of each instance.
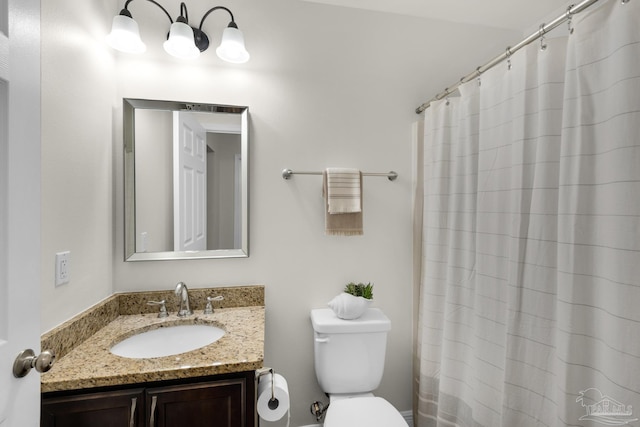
(349, 354)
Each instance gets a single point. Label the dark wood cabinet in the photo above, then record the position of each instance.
(219, 401)
(218, 404)
(119, 408)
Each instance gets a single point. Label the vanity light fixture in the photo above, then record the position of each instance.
(183, 41)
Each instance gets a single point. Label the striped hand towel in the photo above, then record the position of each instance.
(346, 224)
(343, 190)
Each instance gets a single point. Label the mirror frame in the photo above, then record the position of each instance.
(130, 105)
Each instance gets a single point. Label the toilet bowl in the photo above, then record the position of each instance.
(349, 362)
(363, 412)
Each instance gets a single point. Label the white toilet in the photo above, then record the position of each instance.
(349, 361)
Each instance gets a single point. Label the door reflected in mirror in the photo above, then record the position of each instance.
(185, 180)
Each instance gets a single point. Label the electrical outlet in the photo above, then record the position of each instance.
(63, 268)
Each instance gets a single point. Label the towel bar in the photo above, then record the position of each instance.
(391, 175)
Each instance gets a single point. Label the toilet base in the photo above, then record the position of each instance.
(367, 411)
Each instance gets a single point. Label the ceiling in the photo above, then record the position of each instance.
(509, 14)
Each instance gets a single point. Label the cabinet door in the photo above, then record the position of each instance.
(107, 409)
(210, 404)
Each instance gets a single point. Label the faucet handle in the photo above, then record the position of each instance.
(163, 307)
(209, 307)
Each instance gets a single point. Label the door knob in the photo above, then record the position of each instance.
(27, 360)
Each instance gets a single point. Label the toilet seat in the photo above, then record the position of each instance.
(363, 411)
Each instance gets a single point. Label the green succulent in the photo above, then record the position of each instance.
(360, 290)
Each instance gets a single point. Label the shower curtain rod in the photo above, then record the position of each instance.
(544, 28)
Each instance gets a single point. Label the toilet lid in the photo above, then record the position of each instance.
(363, 411)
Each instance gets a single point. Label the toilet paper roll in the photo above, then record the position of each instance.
(273, 410)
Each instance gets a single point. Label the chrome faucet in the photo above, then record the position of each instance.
(183, 293)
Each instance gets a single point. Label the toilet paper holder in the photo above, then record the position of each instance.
(273, 402)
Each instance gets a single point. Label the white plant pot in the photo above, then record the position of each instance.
(349, 307)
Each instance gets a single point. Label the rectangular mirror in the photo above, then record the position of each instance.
(186, 180)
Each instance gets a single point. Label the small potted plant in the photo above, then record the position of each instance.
(353, 302)
(360, 290)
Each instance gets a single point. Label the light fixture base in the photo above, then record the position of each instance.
(201, 39)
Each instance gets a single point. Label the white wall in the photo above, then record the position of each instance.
(78, 97)
(326, 86)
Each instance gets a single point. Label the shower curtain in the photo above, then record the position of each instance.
(530, 285)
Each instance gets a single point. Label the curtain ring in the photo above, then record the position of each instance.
(508, 57)
(443, 95)
(569, 15)
(541, 32)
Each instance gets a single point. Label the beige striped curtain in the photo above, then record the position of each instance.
(530, 290)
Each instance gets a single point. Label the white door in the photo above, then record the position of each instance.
(189, 183)
(19, 207)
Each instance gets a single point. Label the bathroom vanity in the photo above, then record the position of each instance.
(211, 386)
(221, 400)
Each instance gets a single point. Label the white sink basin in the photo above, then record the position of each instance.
(167, 341)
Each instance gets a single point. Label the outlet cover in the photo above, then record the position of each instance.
(63, 267)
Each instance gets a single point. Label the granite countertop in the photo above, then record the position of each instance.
(90, 363)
